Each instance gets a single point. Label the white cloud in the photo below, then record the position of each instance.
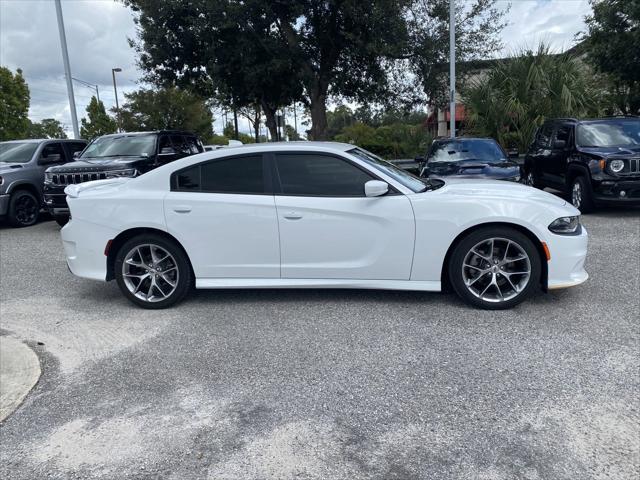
(555, 22)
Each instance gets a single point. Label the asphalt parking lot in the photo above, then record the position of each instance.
(325, 384)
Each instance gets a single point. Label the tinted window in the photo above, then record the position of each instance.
(544, 135)
(164, 142)
(180, 145)
(563, 132)
(192, 144)
(75, 147)
(187, 180)
(405, 178)
(52, 153)
(320, 175)
(232, 175)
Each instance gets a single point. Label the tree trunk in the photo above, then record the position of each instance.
(235, 124)
(256, 123)
(270, 121)
(318, 109)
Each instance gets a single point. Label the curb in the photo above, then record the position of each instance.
(19, 372)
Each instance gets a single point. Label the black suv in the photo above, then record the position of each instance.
(116, 155)
(596, 161)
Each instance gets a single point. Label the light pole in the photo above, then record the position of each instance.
(67, 70)
(115, 91)
(452, 67)
(90, 85)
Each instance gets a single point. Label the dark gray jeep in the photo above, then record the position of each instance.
(22, 166)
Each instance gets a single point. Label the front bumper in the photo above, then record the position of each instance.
(4, 204)
(55, 200)
(568, 255)
(617, 192)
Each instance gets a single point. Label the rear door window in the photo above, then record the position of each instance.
(241, 175)
(544, 135)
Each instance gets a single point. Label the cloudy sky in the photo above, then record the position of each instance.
(97, 32)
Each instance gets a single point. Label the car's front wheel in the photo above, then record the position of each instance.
(581, 196)
(495, 268)
(153, 271)
(529, 178)
(24, 209)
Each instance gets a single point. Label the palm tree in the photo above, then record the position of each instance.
(513, 99)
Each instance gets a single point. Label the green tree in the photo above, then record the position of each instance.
(478, 25)
(514, 98)
(47, 128)
(166, 108)
(98, 122)
(14, 105)
(612, 43)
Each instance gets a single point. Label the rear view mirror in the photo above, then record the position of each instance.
(375, 188)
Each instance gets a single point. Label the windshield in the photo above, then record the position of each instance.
(14, 152)
(485, 151)
(405, 178)
(124, 146)
(610, 133)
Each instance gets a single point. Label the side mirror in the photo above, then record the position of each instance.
(559, 144)
(375, 188)
(167, 151)
(77, 154)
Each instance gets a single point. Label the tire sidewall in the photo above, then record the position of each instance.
(12, 207)
(586, 204)
(185, 275)
(463, 247)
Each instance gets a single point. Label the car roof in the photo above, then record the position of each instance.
(463, 139)
(592, 120)
(151, 132)
(288, 146)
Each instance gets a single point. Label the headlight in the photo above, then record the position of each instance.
(565, 225)
(616, 166)
(48, 177)
(127, 172)
(1, 180)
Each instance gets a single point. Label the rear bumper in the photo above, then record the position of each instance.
(568, 255)
(84, 245)
(4, 204)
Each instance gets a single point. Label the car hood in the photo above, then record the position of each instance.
(498, 190)
(10, 167)
(111, 163)
(630, 151)
(474, 168)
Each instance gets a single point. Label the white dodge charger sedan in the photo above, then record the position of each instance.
(319, 215)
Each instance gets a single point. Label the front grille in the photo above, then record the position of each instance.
(634, 165)
(71, 178)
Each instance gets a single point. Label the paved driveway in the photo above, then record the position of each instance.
(325, 384)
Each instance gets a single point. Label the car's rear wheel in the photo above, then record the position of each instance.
(529, 178)
(153, 271)
(581, 196)
(24, 209)
(495, 268)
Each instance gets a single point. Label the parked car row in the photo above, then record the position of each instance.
(34, 173)
(594, 162)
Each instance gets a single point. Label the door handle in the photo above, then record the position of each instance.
(182, 209)
(293, 215)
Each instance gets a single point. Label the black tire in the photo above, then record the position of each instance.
(61, 220)
(24, 209)
(583, 200)
(184, 278)
(521, 241)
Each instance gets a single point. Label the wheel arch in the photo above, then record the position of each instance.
(24, 185)
(544, 274)
(575, 170)
(128, 234)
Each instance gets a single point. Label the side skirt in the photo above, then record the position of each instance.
(427, 286)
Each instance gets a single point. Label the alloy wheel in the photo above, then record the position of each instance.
(528, 179)
(26, 209)
(496, 270)
(150, 272)
(576, 195)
